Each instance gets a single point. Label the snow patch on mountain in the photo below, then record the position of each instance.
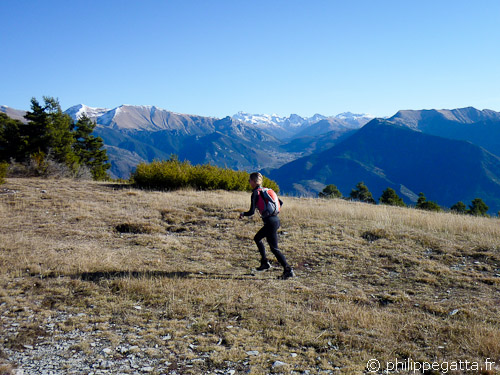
(108, 116)
(295, 120)
(263, 120)
(269, 120)
(77, 111)
(354, 116)
(295, 125)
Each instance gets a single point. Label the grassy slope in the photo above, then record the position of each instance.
(373, 282)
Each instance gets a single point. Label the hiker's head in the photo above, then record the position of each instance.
(255, 179)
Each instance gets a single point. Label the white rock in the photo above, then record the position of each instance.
(147, 369)
(252, 352)
(278, 364)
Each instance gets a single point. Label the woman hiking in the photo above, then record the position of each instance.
(270, 228)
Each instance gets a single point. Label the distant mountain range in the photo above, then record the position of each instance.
(450, 155)
(296, 126)
(144, 133)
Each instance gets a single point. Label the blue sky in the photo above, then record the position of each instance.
(215, 58)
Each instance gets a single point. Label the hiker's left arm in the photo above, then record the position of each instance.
(253, 204)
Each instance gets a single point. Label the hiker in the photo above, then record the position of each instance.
(270, 228)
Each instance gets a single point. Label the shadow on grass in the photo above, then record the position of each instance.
(108, 275)
(111, 275)
(119, 185)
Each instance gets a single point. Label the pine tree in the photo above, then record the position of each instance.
(459, 208)
(330, 191)
(390, 197)
(60, 134)
(362, 194)
(90, 149)
(10, 138)
(34, 133)
(49, 130)
(478, 208)
(424, 204)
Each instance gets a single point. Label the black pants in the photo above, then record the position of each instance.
(270, 232)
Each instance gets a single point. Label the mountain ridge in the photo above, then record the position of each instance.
(465, 124)
(467, 115)
(296, 126)
(383, 155)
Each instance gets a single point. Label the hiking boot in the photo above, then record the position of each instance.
(287, 274)
(263, 266)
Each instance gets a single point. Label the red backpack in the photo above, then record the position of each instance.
(268, 203)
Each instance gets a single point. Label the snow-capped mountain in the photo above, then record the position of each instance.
(146, 133)
(142, 118)
(265, 120)
(293, 125)
(151, 118)
(353, 117)
(274, 120)
(79, 110)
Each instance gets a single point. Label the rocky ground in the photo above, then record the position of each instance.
(85, 352)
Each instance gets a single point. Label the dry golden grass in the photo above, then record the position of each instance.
(373, 281)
